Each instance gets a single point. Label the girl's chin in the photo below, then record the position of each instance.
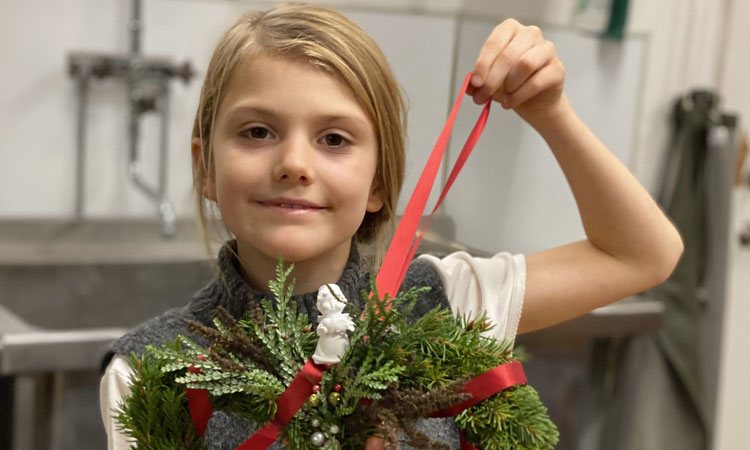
(304, 251)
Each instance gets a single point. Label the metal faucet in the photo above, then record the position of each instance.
(147, 81)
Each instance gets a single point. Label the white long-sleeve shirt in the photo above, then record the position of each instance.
(472, 285)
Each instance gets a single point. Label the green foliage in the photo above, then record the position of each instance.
(155, 415)
(513, 419)
(394, 372)
(283, 330)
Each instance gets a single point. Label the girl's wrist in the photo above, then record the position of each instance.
(551, 118)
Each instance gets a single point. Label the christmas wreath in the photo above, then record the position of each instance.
(393, 372)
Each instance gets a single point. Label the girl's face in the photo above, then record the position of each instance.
(295, 158)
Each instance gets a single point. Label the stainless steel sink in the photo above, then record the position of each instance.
(66, 291)
(61, 275)
(26, 349)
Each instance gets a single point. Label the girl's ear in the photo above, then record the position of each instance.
(375, 200)
(209, 183)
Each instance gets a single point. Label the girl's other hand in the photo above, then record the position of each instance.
(520, 69)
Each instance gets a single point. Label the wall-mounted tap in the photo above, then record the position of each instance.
(147, 80)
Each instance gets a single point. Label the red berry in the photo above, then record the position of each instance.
(337, 388)
(316, 388)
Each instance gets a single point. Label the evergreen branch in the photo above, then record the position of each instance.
(513, 419)
(234, 339)
(154, 415)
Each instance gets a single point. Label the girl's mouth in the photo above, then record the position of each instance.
(296, 205)
(292, 206)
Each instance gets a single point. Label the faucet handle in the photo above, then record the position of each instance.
(184, 71)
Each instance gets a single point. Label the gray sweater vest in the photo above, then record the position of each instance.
(226, 431)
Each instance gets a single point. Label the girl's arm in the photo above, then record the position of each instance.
(630, 246)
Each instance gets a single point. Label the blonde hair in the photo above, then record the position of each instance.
(331, 42)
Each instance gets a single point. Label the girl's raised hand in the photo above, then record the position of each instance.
(520, 69)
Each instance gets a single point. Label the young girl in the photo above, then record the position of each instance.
(299, 141)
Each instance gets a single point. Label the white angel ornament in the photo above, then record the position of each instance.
(332, 325)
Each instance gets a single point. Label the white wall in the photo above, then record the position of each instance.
(512, 189)
(38, 100)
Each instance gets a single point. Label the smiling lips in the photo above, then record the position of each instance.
(291, 204)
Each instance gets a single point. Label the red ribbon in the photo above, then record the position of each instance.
(199, 406)
(404, 244)
(486, 385)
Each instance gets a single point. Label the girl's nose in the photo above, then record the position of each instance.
(294, 162)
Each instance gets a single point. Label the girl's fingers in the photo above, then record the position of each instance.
(544, 79)
(528, 64)
(495, 43)
(505, 60)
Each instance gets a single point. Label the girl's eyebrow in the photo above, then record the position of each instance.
(252, 109)
(321, 118)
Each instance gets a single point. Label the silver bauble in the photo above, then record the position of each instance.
(318, 439)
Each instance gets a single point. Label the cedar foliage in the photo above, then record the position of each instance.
(394, 372)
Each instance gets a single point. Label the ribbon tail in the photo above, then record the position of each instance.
(199, 406)
(262, 438)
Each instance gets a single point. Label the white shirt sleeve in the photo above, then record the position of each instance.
(113, 387)
(492, 285)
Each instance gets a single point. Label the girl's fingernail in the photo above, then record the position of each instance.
(476, 80)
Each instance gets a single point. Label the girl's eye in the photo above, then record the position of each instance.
(335, 140)
(256, 132)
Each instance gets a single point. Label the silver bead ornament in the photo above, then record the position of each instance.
(315, 423)
(334, 429)
(318, 439)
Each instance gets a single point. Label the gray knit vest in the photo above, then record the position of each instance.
(227, 431)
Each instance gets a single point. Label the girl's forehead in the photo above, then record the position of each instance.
(271, 84)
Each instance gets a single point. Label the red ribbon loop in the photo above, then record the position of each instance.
(404, 245)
